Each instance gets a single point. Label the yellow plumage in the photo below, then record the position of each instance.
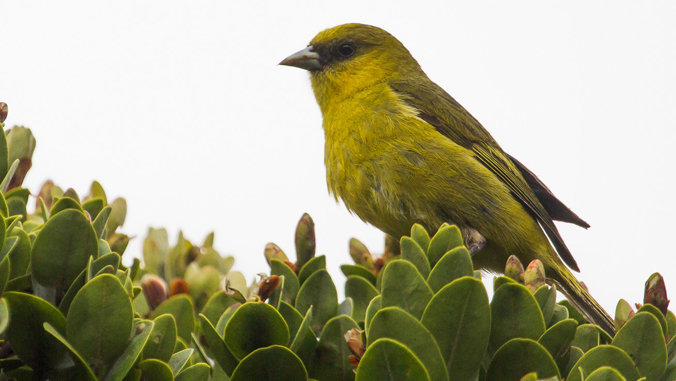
(400, 150)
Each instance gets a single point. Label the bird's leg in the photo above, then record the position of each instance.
(473, 240)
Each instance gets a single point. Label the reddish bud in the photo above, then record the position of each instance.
(293, 266)
(656, 293)
(267, 285)
(514, 269)
(3, 111)
(178, 286)
(155, 290)
(273, 251)
(534, 276)
(356, 346)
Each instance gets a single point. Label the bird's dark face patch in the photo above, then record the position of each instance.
(335, 52)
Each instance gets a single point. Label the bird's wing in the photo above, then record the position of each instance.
(450, 119)
(556, 209)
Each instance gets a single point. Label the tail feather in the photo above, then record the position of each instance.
(582, 300)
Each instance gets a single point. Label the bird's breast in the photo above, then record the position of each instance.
(376, 151)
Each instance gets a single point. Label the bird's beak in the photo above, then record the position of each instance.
(304, 59)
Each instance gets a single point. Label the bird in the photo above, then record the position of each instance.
(399, 150)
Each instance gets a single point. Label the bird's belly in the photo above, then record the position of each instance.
(403, 185)
(395, 189)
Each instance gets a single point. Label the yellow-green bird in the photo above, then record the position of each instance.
(400, 150)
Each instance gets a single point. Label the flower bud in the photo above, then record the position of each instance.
(534, 276)
(623, 312)
(3, 111)
(514, 269)
(155, 290)
(656, 293)
(267, 285)
(273, 251)
(360, 255)
(355, 344)
(305, 240)
(178, 286)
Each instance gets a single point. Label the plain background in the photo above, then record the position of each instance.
(180, 107)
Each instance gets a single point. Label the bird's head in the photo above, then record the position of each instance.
(351, 57)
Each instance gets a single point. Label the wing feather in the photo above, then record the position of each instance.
(440, 110)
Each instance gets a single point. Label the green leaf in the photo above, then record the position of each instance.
(346, 307)
(65, 203)
(99, 223)
(217, 303)
(375, 306)
(4, 158)
(100, 321)
(117, 215)
(155, 370)
(197, 372)
(573, 313)
(179, 359)
(20, 254)
(221, 353)
(93, 207)
(274, 363)
(305, 341)
(320, 292)
(4, 316)
(291, 282)
(575, 355)
(518, 357)
(330, 359)
(500, 281)
(560, 314)
(404, 287)
(412, 252)
(8, 177)
(446, 239)
(455, 264)
(388, 360)
(671, 323)
(459, 318)
(604, 355)
(605, 373)
(362, 292)
(314, 264)
(80, 369)
(669, 374)
(657, 314)
(180, 306)
(292, 318)
(95, 266)
(4, 273)
(255, 325)
(62, 249)
(35, 346)
(546, 298)
(223, 320)
(515, 314)
(557, 339)
(586, 337)
(420, 236)
(642, 339)
(162, 339)
(360, 271)
(396, 324)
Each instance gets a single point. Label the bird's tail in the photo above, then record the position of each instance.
(580, 298)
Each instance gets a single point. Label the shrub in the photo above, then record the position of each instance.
(71, 310)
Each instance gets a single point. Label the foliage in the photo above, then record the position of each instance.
(71, 310)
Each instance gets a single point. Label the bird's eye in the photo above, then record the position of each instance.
(346, 50)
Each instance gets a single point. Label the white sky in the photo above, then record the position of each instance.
(181, 108)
